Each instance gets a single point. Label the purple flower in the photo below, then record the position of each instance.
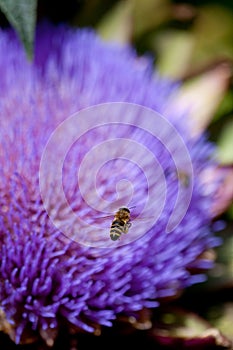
(45, 278)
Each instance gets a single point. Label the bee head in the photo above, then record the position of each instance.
(125, 209)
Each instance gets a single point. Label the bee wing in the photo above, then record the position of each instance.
(104, 217)
(184, 178)
(142, 219)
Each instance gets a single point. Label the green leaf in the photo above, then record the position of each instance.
(213, 31)
(117, 24)
(225, 144)
(22, 16)
(175, 50)
(181, 329)
(221, 316)
(226, 106)
(149, 14)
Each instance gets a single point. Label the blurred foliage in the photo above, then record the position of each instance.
(225, 143)
(190, 41)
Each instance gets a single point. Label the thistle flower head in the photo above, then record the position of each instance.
(45, 277)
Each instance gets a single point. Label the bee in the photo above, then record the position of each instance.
(120, 224)
(183, 177)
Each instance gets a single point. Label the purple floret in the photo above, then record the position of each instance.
(46, 279)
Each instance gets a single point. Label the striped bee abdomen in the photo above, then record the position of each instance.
(116, 229)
